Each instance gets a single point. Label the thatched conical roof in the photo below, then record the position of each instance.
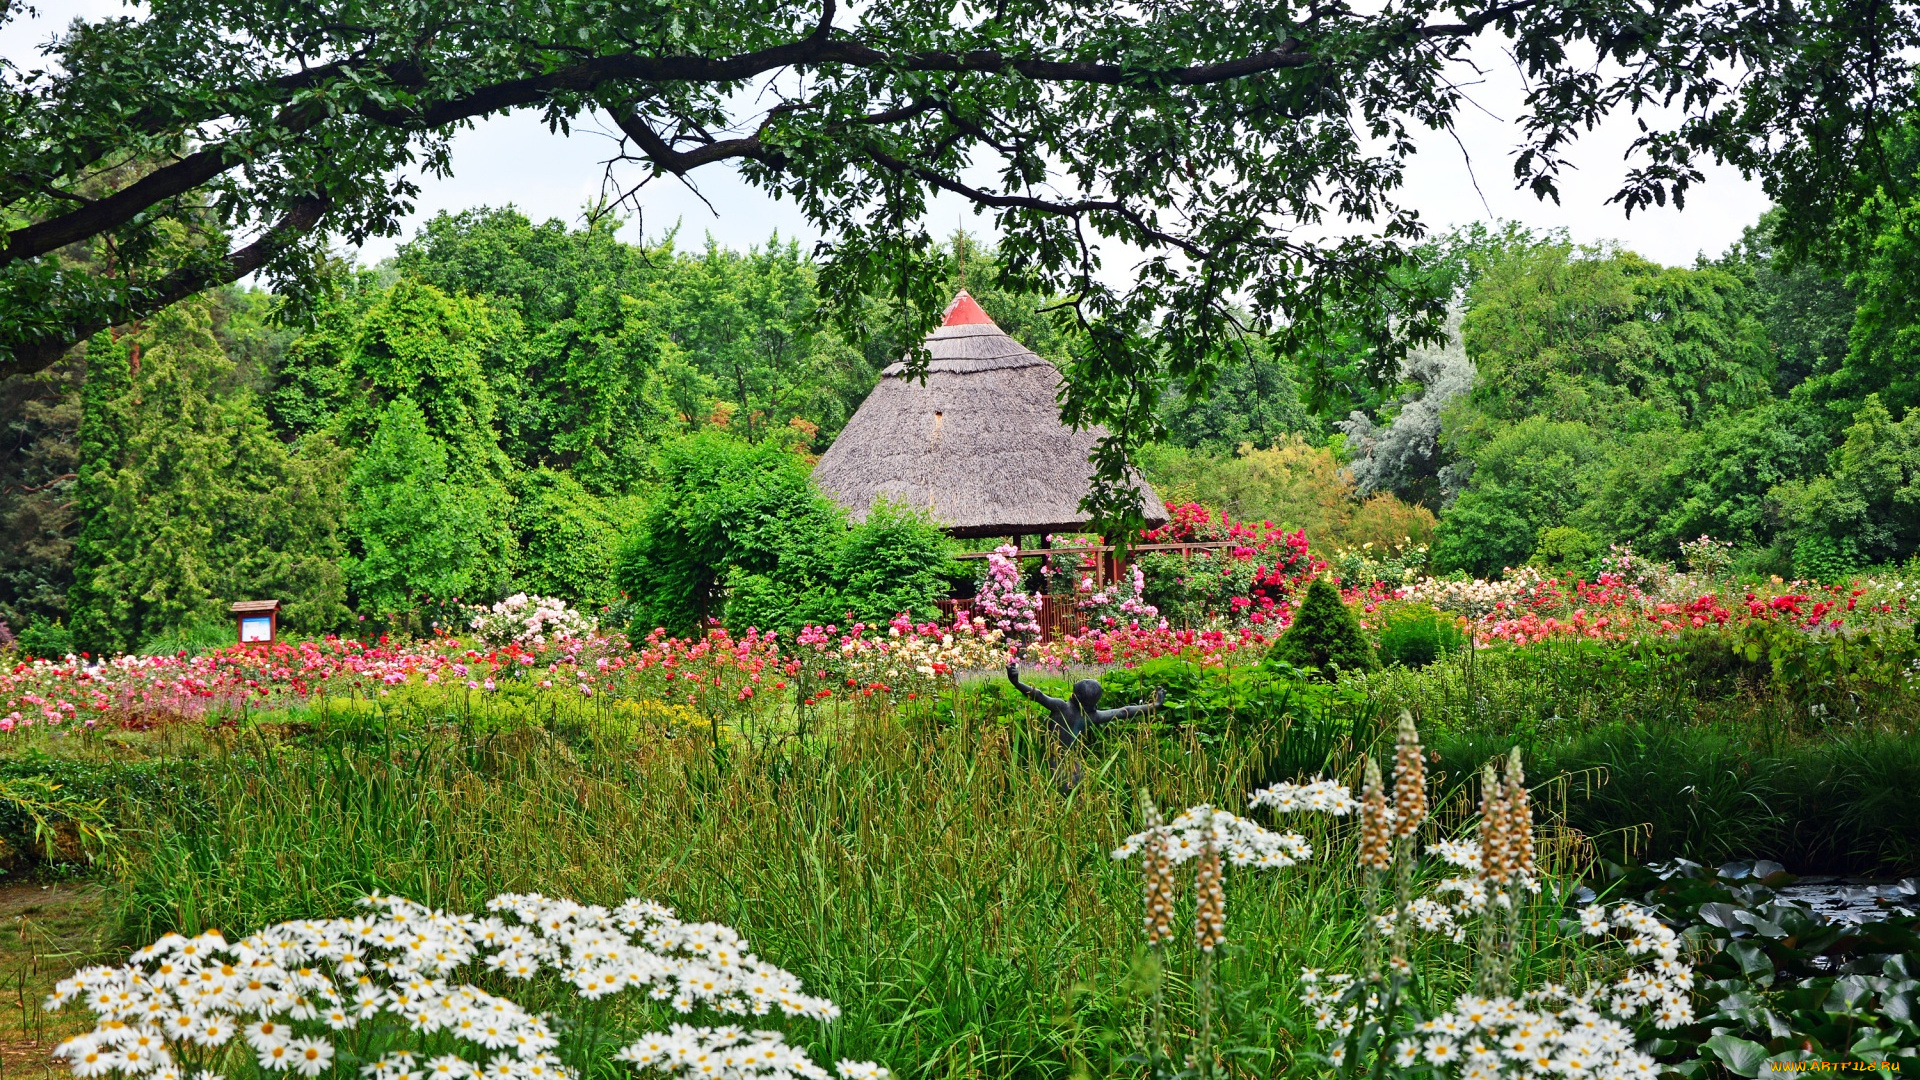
(979, 444)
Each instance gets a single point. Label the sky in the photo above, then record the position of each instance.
(514, 159)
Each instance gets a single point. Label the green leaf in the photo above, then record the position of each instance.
(1740, 1056)
(1753, 959)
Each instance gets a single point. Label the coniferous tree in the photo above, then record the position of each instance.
(188, 500)
(1324, 634)
(108, 376)
(39, 452)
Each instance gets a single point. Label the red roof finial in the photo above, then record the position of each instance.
(964, 312)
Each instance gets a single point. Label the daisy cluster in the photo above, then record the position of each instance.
(1543, 1034)
(1660, 991)
(1322, 796)
(1459, 899)
(1551, 1031)
(734, 1053)
(375, 989)
(688, 965)
(289, 992)
(1241, 842)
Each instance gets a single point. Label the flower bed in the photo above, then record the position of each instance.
(540, 645)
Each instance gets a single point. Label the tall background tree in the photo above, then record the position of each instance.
(209, 139)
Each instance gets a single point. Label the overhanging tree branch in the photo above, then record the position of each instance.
(817, 49)
(1255, 123)
(300, 221)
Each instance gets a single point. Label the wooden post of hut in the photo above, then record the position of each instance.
(257, 621)
(979, 444)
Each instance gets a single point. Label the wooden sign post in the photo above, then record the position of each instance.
(258, 620)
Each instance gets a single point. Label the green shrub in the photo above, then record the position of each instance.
(725, 509)
(1324, 635)
(1565, 549)
(201, 635)
(1526, 479)
(896, 560)
(738, 532)
(1417, 635)
(568, 536)
(45, 639)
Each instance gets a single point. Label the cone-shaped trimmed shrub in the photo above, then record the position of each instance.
(1324, 634)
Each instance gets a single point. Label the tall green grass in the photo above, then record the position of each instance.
(1838, 805)
(931, 872)
(1662, 753)
(938, 883)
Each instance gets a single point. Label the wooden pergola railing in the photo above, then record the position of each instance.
(1058, 616)
(1107, 549)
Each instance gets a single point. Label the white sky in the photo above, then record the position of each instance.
(515, 160)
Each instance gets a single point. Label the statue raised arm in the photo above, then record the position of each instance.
(1046, 701)
(1072, 717)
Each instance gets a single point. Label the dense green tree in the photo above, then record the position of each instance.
(1867, 508)
(1883, 346)
(1806, 311)
(1631, 401)
(538, 271)
(595, 373)
(1565, 549)
(618, 345)
(102, 439)
(568, 537)
(1723, 483)
(1605, 337)
(424, 528)
(39, 451)
(1256, 403)
(1633, 487)
(724, 508)
(895, 562)
(409, 340)
(188, 500)
(1529, 478)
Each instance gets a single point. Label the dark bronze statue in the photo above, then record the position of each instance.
(1072, 717)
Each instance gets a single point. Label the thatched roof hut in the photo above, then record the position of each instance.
(980, 443)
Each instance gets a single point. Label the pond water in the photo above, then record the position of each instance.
(1841, 899)
(1850, 901)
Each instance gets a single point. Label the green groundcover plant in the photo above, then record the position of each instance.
(1780, 986)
